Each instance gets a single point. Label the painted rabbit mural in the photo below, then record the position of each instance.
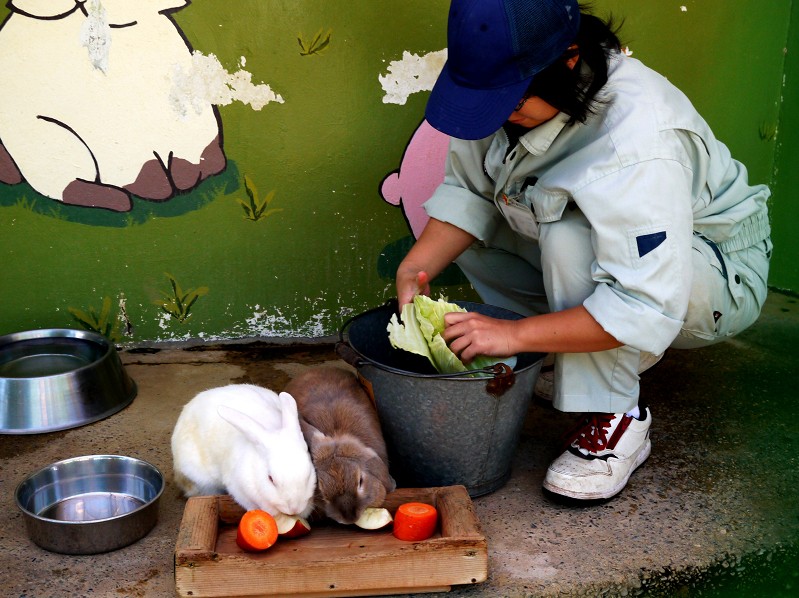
(424, 160)
(88, 110)
(420, 172)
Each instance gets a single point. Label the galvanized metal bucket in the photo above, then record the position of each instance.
(441, 429)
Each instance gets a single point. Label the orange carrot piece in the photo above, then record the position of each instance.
(415, 521)
(257, 531)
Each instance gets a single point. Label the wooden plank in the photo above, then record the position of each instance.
(456, 513)
(344, 574)
(198, 529)
(229, 510)
(333, 560)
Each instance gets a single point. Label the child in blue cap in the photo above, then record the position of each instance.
(584, 191)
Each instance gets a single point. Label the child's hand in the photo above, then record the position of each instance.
(469, 334)
(411, 284)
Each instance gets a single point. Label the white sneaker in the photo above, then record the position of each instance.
(603, 452)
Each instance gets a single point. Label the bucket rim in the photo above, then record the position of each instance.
(499, 370)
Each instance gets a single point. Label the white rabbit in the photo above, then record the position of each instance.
(88, 113)
(245, 440)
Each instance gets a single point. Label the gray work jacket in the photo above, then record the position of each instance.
(647, 172)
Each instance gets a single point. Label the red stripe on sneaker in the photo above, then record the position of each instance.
(616, 436)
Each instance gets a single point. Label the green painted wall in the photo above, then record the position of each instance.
(726, 56)
(328, 248)
(785, 207)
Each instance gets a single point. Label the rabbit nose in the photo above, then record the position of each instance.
(348, 509)
(295, 509)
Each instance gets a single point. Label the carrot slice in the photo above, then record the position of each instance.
(415, 521)
(257, 531)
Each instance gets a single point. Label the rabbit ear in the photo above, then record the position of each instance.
(315, 433)
(288, 405)
(377, 468)
(252, 430)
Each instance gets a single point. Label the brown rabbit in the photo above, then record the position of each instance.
(347, 448)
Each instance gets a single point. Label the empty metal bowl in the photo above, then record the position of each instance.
(57, 379)
(91, 504)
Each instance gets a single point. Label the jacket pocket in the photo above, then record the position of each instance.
(547, 204)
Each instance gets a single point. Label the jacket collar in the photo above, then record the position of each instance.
(538, 140)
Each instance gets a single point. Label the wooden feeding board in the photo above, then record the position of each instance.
(333, 560)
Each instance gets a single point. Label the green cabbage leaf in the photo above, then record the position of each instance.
(419, 332)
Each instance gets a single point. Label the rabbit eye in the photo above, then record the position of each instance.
(360, 482)
(271, 479)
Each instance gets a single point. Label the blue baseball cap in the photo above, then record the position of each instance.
(494, 49)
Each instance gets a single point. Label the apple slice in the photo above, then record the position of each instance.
(374, 518)
(289, 526)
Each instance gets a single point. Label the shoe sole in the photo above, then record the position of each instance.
(642, 456)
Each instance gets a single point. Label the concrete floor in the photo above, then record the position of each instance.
(713, 512)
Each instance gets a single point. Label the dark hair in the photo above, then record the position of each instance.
(573, 91)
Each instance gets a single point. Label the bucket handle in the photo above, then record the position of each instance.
(502, 376)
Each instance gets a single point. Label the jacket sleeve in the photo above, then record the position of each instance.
(642, 227)
(465, 198)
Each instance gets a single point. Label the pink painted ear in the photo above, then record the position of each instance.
(390, 189)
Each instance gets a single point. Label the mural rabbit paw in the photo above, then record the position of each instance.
(159, 181)
(97, 195)
(9, 173)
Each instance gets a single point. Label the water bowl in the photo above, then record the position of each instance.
(91, 504)
(57, 379)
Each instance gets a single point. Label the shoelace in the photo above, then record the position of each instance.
(590, 434)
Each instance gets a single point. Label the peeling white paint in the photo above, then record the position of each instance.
(163, 320)
(207, 81)
(412, 74)
(269, 322)
(122, 316)
(265, 324)
(95, 35)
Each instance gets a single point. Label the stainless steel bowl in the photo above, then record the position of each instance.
(91, 504)
(58, 379)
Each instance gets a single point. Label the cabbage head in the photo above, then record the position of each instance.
(420, 331)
